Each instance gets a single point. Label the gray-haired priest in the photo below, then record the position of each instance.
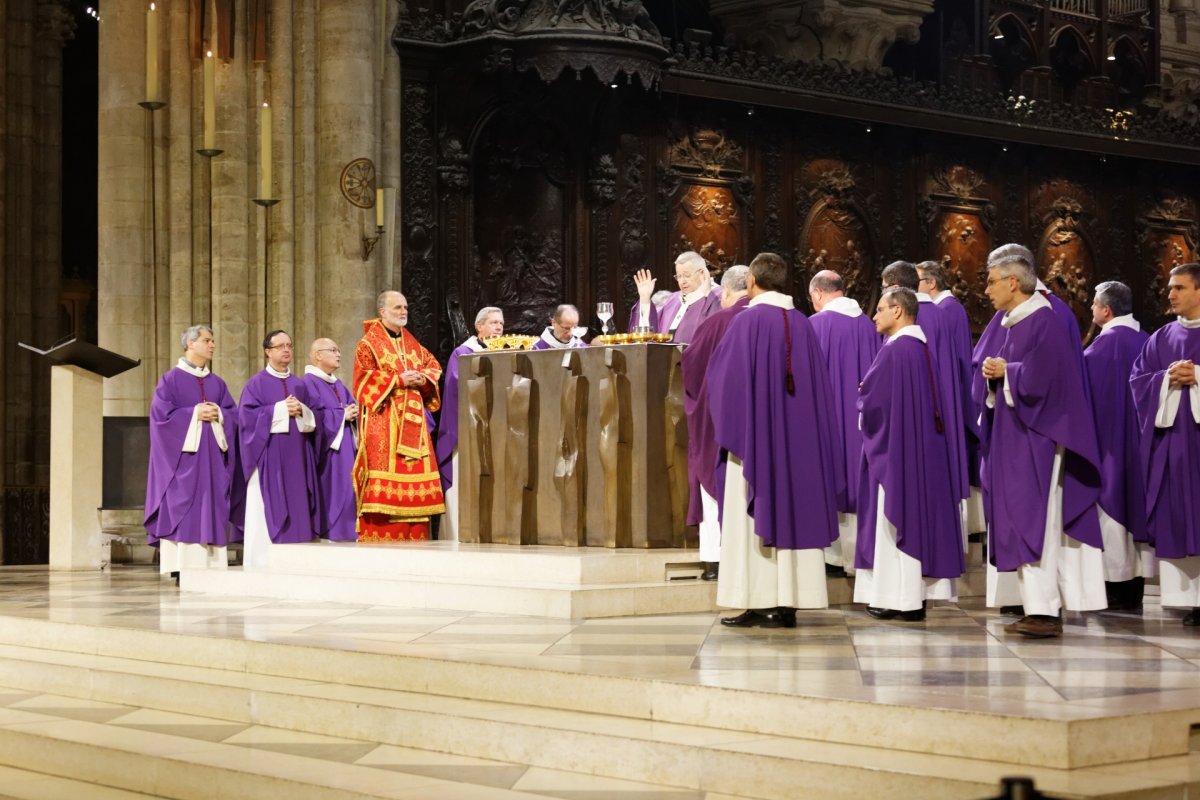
(489, 322)
(193, 425)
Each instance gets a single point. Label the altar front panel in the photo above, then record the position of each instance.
(576, 447)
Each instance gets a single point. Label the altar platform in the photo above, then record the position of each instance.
(122, 680)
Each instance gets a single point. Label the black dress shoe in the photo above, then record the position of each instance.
(1192, 618)
(779, 618)
(916, 615)
(1012, 611)
(881, 613)
(832, 571)
(747, 619)
(711, 569)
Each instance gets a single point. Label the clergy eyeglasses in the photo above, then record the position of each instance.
(285, 346)
(328, 349)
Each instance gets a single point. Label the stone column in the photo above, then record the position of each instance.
(179, 120)
(389, 159)
(54, 27)
(5, 265)
(281, 86)
(346, 125)
(233, 215)
(303, 170)
(123, 233)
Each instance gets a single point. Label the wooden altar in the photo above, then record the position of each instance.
(580, 447)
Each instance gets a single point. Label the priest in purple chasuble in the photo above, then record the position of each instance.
(682, 312)
(395, 383)
(563, 332)
(335, 442)
(1042, 472)
(489, 323)
(909, 537)
(956, 326)
(849, 343)
(1168, 409)
(779, 474)
(904, 274)
(703, 509)
(1128, 556)
(193, 430)
(275, 433)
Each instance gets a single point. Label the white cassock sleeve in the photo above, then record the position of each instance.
(305, 423)
(644, 315)
(1168, 404)
(191, 442)
(218, 429)
(337, 441)
(1008, 398)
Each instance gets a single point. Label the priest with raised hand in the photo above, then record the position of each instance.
(703, 509)
(275, 427)
(682, 312)
(489, 323)
(909, 537)
(849, 344)
(335, 442)
(1128, 556)
(1043, 461)
(1168, 409)
(560, 333)
(956, 326)
(395, 382)
(193, 430)
(779, 474)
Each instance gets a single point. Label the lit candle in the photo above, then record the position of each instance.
(210, 102)
(264, 151)
(379, 208)
(152, 55)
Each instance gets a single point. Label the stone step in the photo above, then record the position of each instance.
(699, 758)
(253, 677)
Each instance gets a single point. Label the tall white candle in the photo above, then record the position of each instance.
(379, 208)
(152, 54)
(210, 102)
(264, 151)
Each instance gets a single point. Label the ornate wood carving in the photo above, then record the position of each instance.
(1168, 235)
(634, 243)
(958, 219)
(419, 235)
(835, 233)
(1067, 226)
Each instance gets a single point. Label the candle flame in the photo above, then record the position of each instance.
(152, 6)
(210, 54)
(265, 105)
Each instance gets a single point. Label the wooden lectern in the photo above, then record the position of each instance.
(76, 449)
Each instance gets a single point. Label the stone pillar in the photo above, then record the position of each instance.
(280, 304)
(346, 130)
(54, 27)
(183, 94)
(303, 171)
(123, 222)
(389, 159)
(5, 266)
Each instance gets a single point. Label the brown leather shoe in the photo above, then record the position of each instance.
(1036, 627)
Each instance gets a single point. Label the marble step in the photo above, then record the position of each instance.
(701, 759)
(82, 759)
(23, 784)
(241, 677)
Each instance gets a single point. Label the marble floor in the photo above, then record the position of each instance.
(959, 659)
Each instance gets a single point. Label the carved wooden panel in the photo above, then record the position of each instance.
(707, 219)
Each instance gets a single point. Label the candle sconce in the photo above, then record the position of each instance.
(209, 152)
(369, 242)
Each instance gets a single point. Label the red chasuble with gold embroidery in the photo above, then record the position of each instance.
(395, 473)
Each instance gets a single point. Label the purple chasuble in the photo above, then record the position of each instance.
(188, 495)
(1109, 361)
(447, 427)
(956, 327)
(1067, 316)
(1051, 409)
(784, 440)
(286, 472)
(702, 446)
(849, 345)
(660, 320)
(990, 342)
(950, 392)
(909, 457)
(1169, 457)
(337, 507)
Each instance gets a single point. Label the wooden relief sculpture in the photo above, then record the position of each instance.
(570, 466)
(479, 440)
(616, 450)
(520, 458)
(676, 454)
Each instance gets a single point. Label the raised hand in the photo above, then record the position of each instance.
(645, 284)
